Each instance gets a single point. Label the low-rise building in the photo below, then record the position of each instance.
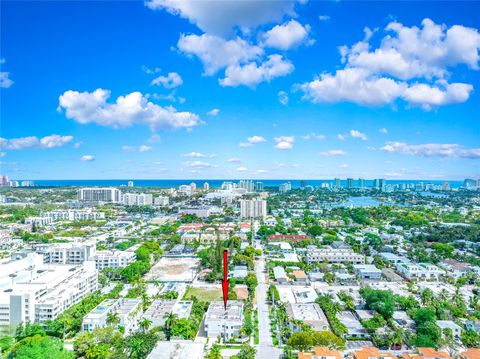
(367, 271)
(74, 214)
(355, 329)
(300, 276)
(309, 313)
(224, 323)
(419, 271)
(427, 353)
(160, 308)
(113, 259)
(321, 353)
(38, 221)
(451, 325)
(372, 353)
(126, 310)
(470, 353)
(66, 253)
(280, 275)
(333, 255)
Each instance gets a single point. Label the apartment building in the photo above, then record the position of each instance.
(137, 199)
(113, 259)
(225, 323)
(38, 221)
(419, 271)
(160, 308)
(99, 194)
(66, 253)
(321, 353)
(253, 208)
(74, 215)
(127, 310)
(161, 201)
(33, 292)
(333, 255)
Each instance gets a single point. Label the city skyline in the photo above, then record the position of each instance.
(299, 91)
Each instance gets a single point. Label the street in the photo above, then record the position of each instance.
(265, 348)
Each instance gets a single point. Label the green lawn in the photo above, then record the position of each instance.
(205, 295)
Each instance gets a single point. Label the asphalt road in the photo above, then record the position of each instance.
(265, 348)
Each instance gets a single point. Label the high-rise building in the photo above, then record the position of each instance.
(137, 199)
(27, 183)
(325, 185)
(247, 185)
(130, 184)
(193, 187)
(98, 194)
(259, 186)
(285, 187)
(469, 183)
(446, 186)
(4, 181)
(361, 183)
(253, 208)
(206, 187)
(337, 183)
(350, 183)
(13, 183)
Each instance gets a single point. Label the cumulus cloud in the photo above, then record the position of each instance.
(221, 17)
(284, 142)
(198, 164)
(87, 158)
(234, 160)
(217, 53)
(194, 154)
(358, 134)
(323, 17)
(241, 169)
(151, 71)
(383, 130)
(411, 64)
(141, 149)
(432, 150)
(170, 81)
(333, 153)
(283, 97)
(22, 143)
(313, 136)
(128, 110)
(287, 36)
(213, 112)
(251, 74)
(5, 81)
(253, 140)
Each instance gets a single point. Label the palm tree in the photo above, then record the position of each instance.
(170, 320)
(144, 324)
(113, 319)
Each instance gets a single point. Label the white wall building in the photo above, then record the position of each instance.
(113, 259)
(253, 208)
(129, 311)
(161, 307)
(66, 253)
(137, 199)
(74, 214)
(39, 221)
(161, 201)
(31, 291)
(419, 271)
(99, 194)
(334, 255)
(224, 323)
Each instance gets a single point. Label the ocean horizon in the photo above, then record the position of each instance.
(214, 183)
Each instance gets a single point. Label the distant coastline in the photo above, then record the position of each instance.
(214, 183)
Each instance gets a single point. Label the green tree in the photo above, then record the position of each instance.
(39, 346)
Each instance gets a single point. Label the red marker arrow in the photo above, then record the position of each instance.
(225, 278)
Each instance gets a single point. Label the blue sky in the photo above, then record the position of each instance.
(250, 89)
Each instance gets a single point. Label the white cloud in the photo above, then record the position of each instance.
(432, 150)
(340, 137)
(194, 154)
(313, 136)
(3, 154)
(262, 171)
(343, 165)
(374, 77)
(234, 160)
(154, 138)
(284, 142)
(213, 112)
(251, 74)
(283, 97)
(128, 110)
(141, 149)
(199, 164)
(150, 71)
(383, 130)
(358, 134)
(144, 148)
(170, 81)
(77, 145)
(286, 36)
(87, 158)
(241, 169)
(5, 81)
(253, 140)
(323, 17)
(22, 143)
(221, 17)
(217, 53)
(333, 153)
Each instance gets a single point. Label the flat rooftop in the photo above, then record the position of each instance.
(216, 310)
